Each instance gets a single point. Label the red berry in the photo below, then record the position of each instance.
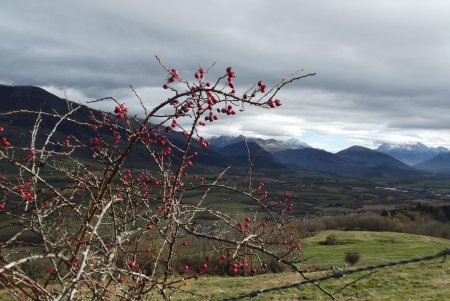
(5, 143)
(95, 141)
(175, 72)
(165, 86)
(185, 268)
(132, 264)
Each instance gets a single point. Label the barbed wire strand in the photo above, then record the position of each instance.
(339, 274)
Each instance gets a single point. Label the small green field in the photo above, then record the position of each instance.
(428, 280)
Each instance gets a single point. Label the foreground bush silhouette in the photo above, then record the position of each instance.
(105, 231)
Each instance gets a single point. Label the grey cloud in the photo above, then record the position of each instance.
(378, 63)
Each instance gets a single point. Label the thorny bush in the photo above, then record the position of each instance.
(105, 231)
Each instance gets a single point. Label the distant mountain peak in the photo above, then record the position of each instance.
(297, 143)
(411, 153)
(369, 157)
(418, 146)
(270, 145)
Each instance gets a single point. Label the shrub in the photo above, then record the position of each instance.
(330, 240)
(110, 206)
(352, 257)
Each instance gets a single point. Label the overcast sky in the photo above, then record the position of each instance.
(383, 67)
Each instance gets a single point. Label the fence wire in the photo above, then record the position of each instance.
(338, 274)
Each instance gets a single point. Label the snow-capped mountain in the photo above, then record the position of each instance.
(411, 153)
(294, 142)
(270, 145)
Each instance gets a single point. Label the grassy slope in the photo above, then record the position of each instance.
(420, 281)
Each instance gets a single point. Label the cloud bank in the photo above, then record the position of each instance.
(382, 66)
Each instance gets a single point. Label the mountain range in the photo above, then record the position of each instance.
(387, 161)
(411, 154)
(270, 145)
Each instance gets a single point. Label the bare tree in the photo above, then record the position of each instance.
(105, 230)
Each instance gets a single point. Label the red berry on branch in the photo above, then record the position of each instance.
(95, 141)
(132, 264)
(175, 72)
